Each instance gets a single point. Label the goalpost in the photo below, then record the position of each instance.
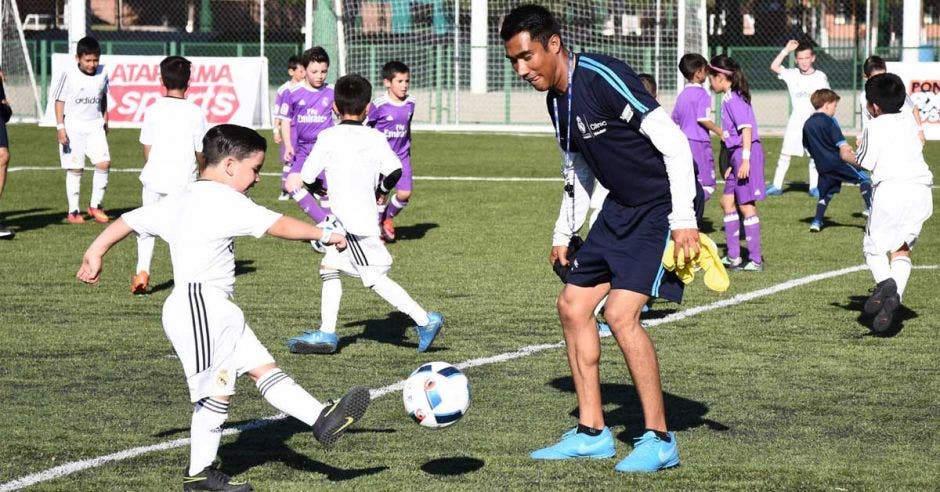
(19, 81)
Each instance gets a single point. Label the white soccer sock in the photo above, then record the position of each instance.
(206, 433)
(783, 163)
(330, 295)
(901, 272)
(813, 174)
(287, 396)
(144, 252)
(99, 183)
(73, 184)
(395, 295)
(879, 266)
(600, 306)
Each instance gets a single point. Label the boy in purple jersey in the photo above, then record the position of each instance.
(295, 70)
(744, 180)
(693, 115)
(310, 111)
(391, 114)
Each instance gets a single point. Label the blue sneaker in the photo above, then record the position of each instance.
(815, 226)
(428, 332)
(866, 213)
(313, 342)
(650, 453)
(574, 445)
(603, 328)
(814, 192)
(773, 190)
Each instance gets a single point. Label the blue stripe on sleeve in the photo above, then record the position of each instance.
(614, 80)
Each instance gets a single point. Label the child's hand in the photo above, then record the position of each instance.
(727, 172)
(288, 152)
(792, 45)
(744, 169)
(62, 137)
(293, 182)
(337, 240)
(90, 270)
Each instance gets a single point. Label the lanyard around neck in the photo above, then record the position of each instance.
(567, 165)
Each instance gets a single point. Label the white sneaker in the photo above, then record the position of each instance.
(283, 197)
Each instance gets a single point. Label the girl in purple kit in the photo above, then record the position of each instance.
(309, 111)
(744, 180)
(693, 114)
(391, 114)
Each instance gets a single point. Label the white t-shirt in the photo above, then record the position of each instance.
(891, 150)
(908, 108)
(81, 93)
(353, 156)
(173, 128)
(801, 87)
(200, 224)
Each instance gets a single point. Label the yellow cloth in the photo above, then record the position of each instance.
(716, 277)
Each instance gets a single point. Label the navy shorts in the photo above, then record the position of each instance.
(4, 139)
(625, 248)
(830, 180)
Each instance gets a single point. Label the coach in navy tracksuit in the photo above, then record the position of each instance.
(635, 150)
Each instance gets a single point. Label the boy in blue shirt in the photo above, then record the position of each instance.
(834, 158)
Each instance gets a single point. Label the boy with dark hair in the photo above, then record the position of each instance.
(693, 114)
(207, 330)
(296, 72)
(902, 200)
(81, 115)
(391, 114)
(875, 65)
(358, 163)
(834, 158)
(172, 142)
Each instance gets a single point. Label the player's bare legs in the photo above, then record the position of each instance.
(576, 311)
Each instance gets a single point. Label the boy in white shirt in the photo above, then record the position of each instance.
(875, 65)
(358, 164)
(172, 139)
(802, 82)
(208, 331)
(81, 115)
(902, 199)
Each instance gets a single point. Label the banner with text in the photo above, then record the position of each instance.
(922, 81)
(229, 90)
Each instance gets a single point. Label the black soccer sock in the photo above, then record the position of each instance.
(663, 436)
(583, 429)
(821, 206)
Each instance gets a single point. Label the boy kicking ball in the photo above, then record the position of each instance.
(207, 330)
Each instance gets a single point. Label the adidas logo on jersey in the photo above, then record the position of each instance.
(88, 100)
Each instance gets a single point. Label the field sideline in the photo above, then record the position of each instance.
(779, 391)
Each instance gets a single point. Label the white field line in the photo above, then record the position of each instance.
(77, 466)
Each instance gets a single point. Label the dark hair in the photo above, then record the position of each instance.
(352, 94)
(536, 20)
(872, 63)
(886, 90)
(87, 46)
(234, 141)
(390, 69)
(803, 46)
(294, 62)
(822, 97)
(691, 63)
(649, 83)
(314, 55)
(174, 72)
(737, 77)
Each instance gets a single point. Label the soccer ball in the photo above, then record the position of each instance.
(436, 395)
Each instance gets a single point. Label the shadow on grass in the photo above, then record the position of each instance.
(706, 226)
(857, 303)
(457, 465)
(31, 219)
(396, 329)
(827, 223)
(416, 231)
(681, 413)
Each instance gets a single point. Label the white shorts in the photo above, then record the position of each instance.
(86, 139)
(211, 339)
(898, 212)
(793, 137)
(365, 257)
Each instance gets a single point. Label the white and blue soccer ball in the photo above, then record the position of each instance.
(436, 395)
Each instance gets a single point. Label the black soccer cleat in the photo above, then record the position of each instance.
(337, 416)
(211, 478)
(884, 289)
(884, 317)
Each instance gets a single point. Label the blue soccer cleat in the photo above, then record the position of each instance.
(603, 328)
(814, 192)
(313, 342)
(773, 190)
(579, 446)
(428, 332)
(650, 454)
(815, 226)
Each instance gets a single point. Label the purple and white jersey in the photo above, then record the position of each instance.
(282, 107)
(393, 119)
(694, 104)
(310, 112)
(737, 114)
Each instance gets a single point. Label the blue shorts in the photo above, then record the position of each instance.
(625, 248)
(830, 180)
(4, 139)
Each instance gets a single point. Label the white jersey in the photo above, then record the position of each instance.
(354, 157)
(200, 224)
(173, 128)
(891, 150)
(801, 86)
(82, 94)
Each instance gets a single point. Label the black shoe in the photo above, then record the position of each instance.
(211, 478)
(6, 233)
(884, 317)
(884, 289)
(337, 417)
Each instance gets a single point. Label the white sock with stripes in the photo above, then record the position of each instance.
(206, 433)
(287, 396)
(330, 296)
(73, 185)
(395, 295)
